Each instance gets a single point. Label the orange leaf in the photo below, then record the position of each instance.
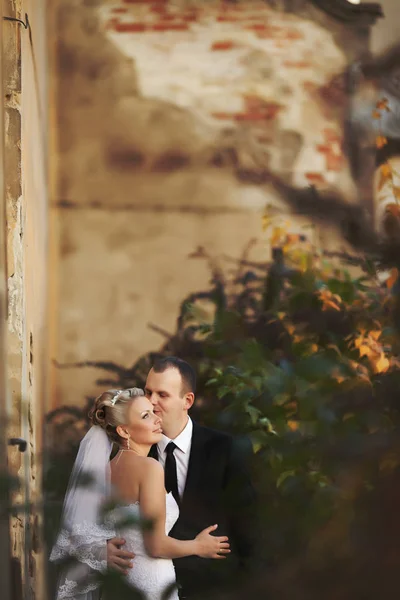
(383, 104)
(376, 114)
(394, 274)
(291, 238)
(393, 209)
(396, 192)
(381, 141)
(293, 425)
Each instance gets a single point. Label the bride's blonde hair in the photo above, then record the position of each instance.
(110, 410)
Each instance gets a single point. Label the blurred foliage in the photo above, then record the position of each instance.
(300, 357)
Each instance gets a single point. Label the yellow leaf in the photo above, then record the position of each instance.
(277, 235)
(365, 350)
(381, 141)
(375, 334)
(265, 222)
(358, 341)
(381, 365)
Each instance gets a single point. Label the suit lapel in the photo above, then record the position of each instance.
(154, 452)
(196, 459)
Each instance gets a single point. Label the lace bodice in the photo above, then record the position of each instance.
(150, 575)
(87, 543)
(133, 534)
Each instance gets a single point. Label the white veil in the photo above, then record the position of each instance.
(82, 540)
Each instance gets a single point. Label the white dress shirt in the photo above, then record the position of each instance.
(183, 444)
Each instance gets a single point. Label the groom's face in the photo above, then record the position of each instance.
(169, 399)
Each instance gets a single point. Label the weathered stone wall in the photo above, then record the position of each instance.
(387, 31)
(26, 215)
(170, 117)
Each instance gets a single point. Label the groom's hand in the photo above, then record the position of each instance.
(117, 558)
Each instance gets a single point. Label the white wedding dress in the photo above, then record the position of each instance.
(152, 576)
(83, 538)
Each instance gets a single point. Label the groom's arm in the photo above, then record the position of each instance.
(117, 558)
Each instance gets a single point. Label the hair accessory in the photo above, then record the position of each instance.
(117, 395)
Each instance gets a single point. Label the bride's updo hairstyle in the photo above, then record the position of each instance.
(111, 410)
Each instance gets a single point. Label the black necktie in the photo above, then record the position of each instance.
(171, 479)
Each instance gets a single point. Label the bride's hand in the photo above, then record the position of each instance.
(211, 546)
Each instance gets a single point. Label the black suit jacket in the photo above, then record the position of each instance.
(217, 491)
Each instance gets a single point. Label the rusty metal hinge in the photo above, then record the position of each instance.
(21, 443)
(24, 23)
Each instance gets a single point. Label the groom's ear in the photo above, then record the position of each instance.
(189, 399)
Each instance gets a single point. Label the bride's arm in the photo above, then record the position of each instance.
(157, 543)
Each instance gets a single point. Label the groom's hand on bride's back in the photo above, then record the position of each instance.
(118, 558)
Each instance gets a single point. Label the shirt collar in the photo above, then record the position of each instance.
(182, 441)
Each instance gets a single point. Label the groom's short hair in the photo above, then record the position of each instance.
(187, 373)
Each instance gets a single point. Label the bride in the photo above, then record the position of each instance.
(136, 484)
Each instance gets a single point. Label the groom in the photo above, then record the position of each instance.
(207, 479)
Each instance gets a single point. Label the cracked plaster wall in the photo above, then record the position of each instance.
(168, 114)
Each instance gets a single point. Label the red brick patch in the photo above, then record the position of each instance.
(332, 150)
(170, 27)
(256, 108)
(167, 17)
(189, 18)
(223, 45)
(250, 116)
(129, 27)
(293, 34)
(158, 8)
(227, 19)
(259, 27)
(331, 135)
(315, 178)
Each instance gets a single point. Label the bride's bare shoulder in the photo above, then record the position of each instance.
(146, 463)
(153, 465)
